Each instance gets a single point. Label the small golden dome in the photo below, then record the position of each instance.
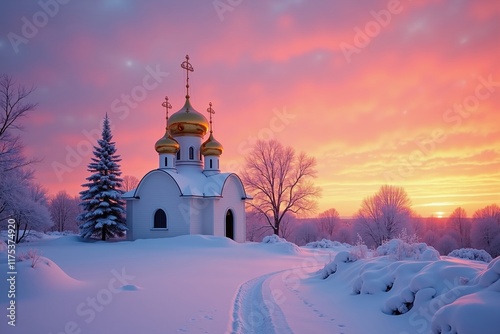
(167, 144)
(187, 121)
(211, 146)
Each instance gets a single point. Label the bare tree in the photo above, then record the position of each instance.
(256, 227)
(384, 215)
(327, 222)
(280, 181)
(64, 209)
(306, 231)
(287, 226)
(458, 222)
(485, 232)
(12, 103)
(13, 106)
(446, 244)
(129, 183)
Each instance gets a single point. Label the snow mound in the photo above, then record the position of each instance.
(43, 278)
(281, 245)
(476, 311)
(61, 234)
(273, 239)
(401, 250)
(340, 259)
(448, 295)
(429, 285)
(130, 287)
(471, 254)
(325, 243)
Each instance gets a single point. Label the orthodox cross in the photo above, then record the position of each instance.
(211, 112)
(167, 106)
(189, 68)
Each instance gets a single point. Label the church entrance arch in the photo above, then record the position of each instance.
(230, 224)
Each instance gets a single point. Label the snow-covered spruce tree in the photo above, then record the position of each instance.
(103, 213)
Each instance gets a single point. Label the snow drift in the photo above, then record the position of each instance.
(442, 295)
(281, 245)
(42, 276)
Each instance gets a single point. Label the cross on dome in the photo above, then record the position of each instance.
(167, 106)
(189, 68)
(211, 111)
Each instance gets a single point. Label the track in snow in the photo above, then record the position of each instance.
(256, 310)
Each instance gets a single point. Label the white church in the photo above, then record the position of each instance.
(187, 193)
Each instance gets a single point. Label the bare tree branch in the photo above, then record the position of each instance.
(383, 215)
(12, 103)
(280, 181)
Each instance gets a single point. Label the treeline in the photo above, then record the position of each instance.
(386, 215)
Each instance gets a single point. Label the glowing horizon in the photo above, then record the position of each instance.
(390, 92)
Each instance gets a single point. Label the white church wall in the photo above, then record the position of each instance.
(207, 215)
(186, 142)
(130, 215)
(231, 199)
(158, 191)
(196, 215)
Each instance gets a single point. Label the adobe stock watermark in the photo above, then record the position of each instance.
(223, 6)
(120, 106)
(363, 36)
(89, 309)
(30, 27)
(454, 116)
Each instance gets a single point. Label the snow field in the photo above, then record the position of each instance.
(205, 284)
(176, 285)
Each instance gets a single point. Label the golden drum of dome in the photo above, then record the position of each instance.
(167, 144)
(187, 121)
(211, 147)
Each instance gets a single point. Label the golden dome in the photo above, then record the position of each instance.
(187, 121)
(211, 146)
(167, 144)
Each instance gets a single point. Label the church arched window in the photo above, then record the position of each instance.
(211, 163)
(160, 220)
(191, 153)
(179, 154)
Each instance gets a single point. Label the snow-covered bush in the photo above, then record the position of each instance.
(332, 267)
(475, 310)
(325, 243)
(281, 244)
(273, 239)
(374, 277)
(60, 234)
(401, 250)
(359, 251)
(471, 254)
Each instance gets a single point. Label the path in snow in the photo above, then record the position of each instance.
(272, 303)
(256, 310)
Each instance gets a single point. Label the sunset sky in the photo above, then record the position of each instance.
(379, 92)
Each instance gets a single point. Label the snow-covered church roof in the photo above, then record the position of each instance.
(193, 184)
